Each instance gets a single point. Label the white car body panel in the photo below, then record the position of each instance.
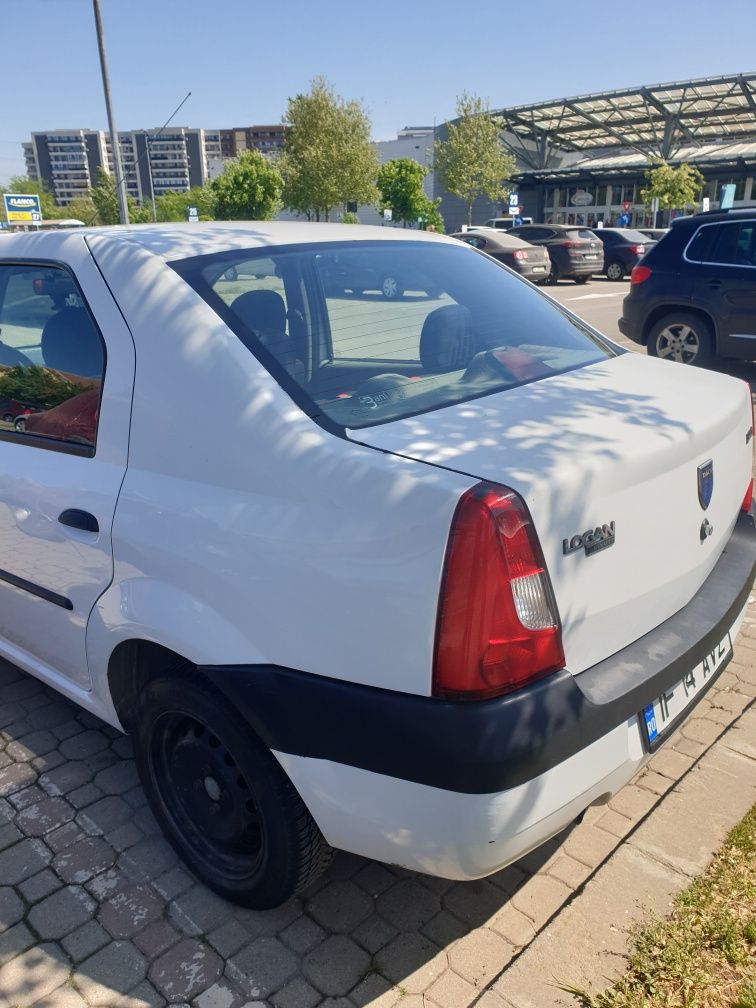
(617, 441)
(37, 485)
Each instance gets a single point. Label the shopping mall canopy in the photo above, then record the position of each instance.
(656, 120)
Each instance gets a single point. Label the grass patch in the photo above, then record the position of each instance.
(704, 955)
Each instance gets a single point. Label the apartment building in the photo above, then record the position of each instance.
(153, 162)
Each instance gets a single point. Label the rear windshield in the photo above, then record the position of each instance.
(634, 236)
(582, 233)
(362, 333)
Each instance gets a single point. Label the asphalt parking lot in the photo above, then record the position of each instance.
(95, 909)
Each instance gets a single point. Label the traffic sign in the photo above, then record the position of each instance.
(192, 214)
(22, 208)
(514, 202)
(388, 214)
(705, 204)
(728, 196)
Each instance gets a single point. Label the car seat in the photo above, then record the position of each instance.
(71, 344)
(263, 313)
(446, 340)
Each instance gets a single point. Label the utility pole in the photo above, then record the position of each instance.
(119, 181)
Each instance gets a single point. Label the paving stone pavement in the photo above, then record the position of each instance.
(96, 910)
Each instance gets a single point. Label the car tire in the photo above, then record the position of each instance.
(231, 273)
(8, 418)
(684, 337)
(20, 424)
(553, 277)
(391, 287)
(582, 279)
(615, 271)
(221, 798)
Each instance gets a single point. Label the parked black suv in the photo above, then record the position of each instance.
(694, 294)
(623, 249)
(575, 252)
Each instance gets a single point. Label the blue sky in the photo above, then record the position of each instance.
(407, 61)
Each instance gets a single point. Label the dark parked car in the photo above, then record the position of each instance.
(656, 233)
(694, 294)
(623, 249)
(575, 252)
(530, 261)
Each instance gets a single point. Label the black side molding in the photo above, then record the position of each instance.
(492, 745)
(35, 589)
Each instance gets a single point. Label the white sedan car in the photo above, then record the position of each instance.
(421, 579)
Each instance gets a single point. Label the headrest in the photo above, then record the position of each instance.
(446, 339)
(261, 311)
(70, 343)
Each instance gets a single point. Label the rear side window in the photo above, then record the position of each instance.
(367, 332)
(581, 234)
(730, 244)
(52, 358)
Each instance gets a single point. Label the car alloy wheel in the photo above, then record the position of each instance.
(391, 288)
(20, 424)
(685, 338)
(614, 271)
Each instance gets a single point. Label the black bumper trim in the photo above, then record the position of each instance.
(492, 745)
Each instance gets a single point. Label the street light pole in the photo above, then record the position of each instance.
(119, 181)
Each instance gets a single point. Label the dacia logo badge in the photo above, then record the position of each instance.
(705, 483)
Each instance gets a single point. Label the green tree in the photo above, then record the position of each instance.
(104, 197)
(47, 205)
(430, 216)
(248, 189)
(174, 206)
(38, 386)
(82, 208)
(675, 188)
(400, 183)
(329, 159)
(472, 162)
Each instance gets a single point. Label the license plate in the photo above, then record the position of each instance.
(660, 717)
(591, 255)
(539, 269)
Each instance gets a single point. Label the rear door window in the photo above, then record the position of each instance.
(734, 244)
(367, 332)
(52, 359)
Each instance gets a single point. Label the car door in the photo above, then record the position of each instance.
(66, 352)
(723, 258)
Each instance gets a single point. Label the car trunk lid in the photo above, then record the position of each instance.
(614, 447)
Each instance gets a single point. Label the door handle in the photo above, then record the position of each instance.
(77, 519)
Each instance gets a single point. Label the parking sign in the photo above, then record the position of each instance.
(514, 202)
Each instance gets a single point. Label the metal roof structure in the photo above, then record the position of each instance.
(654, 120)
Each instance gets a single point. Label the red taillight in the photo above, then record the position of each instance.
(638, 249)
(748, 499)
(520, 254)
(498, 626)
(570, 244)
(639, 274)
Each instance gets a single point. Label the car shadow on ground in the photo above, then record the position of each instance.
(92, 895)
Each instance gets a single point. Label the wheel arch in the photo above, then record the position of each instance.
(669, 309)
(132, 664)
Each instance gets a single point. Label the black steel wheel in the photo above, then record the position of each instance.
(220, 796)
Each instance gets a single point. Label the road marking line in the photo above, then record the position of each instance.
(586, 297)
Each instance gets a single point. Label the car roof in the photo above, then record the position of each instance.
(501, 238)
(184, 240)
(711, 216)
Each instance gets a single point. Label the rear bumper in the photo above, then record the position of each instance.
(492, 745)
(461, 789)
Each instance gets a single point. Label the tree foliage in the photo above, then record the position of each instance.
(400, 183)
(38, 386)
(472, 162)
(248, 189)
(174, 206)
(675, 188)
(329, 159)
(104, 196)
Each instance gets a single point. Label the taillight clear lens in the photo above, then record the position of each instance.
(498, 626)
(639, 274)
(638, 249)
